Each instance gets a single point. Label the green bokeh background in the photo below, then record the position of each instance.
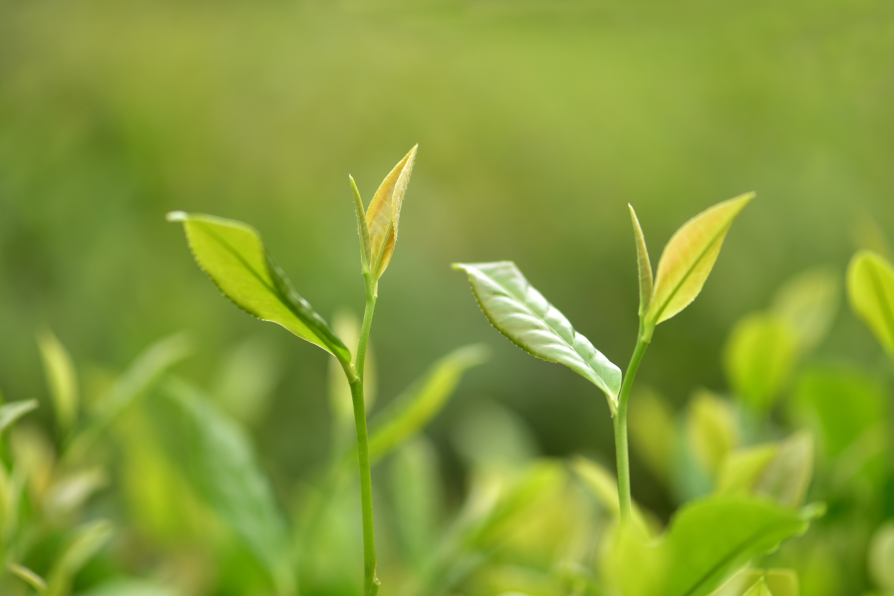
(537, 122)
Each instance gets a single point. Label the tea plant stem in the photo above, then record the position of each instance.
(642, 342)
(370, 582)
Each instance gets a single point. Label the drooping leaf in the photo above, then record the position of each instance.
(710, 429)
(758, 358)
(130, 386)
(809, 303)
(870, 288)
(221, 463)
(383, 215)
(688, 257)
(61, 378)
(12, 411)
(881, 557)
(522, 314)
(29, 577)
(86, 541)
(233, 255)
(644, 266)
(410, 412)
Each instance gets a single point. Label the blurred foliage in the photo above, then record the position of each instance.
(536, 122)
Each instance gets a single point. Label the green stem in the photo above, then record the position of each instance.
(642, 342)
(370, 581)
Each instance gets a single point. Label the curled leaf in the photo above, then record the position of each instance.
(522, 314)
(644, 266)
(688, 257)
(383, 215)
(870, 288)
(233, 255)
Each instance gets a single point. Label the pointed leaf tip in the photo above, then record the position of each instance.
(644, 266)
(383, 215)
(522, 314)
(689, 256)
(870, 289)
(176, 216)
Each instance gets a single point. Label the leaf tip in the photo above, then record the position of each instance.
(176, 216)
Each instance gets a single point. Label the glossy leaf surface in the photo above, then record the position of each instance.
(12, 411)
(522, 314)
(233, 255)
(383, 214)
(222, 466)
(870, 288)
(410, 412)
(643, 265)
(758, 358)
(61, 378)
(688, 258)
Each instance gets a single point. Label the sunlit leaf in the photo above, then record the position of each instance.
(809, 303)
(412, 410)
(522, 314)
(742, 469)
(29, 577)
(881, 557)
(778, 582)
(688, 257)
(758, 357)
(710, 429)
(759, 589)
(130, 386)
(383, 214)
(870, 288)
(653, 432)
(782, 582)
(788, 475)
(233, 255)
(86, 541)
(61, 378)
(12, 411)
(72, 490)
(362, 229)
(221, 463)
(644, 266)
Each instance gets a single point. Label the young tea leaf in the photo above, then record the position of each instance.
(644, 266)
(522, 314)
(758, 358)
(362, 229)
(383, 215)
(61, 378)
(688, 257)
(870, 288)
(233, 255)
(411, 411)
(12, 411)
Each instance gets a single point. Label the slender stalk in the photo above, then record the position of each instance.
(642, 342)
(370, 581)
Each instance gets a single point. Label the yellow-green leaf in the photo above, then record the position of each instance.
(688, 257)
(881, 557)
(383, 215)
(710, 429)
(808, 303)
(604, 486)
(12, 411)
(29, 577)
(86, 541)
(643, 265)
(61, 379)
(870, 288)
(758, 358)
(233, 255)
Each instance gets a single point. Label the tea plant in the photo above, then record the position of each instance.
(710, 539)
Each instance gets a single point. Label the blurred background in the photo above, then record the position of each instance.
(537, 122)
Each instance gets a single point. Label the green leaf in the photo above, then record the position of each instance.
(759, 589)
(788, 475)
(416, 494)
(742, 469)
(362, 229)
(233, 255)
(61, 378)
(881, 557)
(139, 377)
(688, 257)
(758, 358)
(653, 432)
(12, 411)
(710, 429)
(522, 314)
(222, 465)
(782, 582)
(412, 410)
(809, 303)
(642, 264)
(708, 541)
(86, 541)
(29, 577)
(870, 288)
(130, 587)
(604, 486)
(383, 215)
